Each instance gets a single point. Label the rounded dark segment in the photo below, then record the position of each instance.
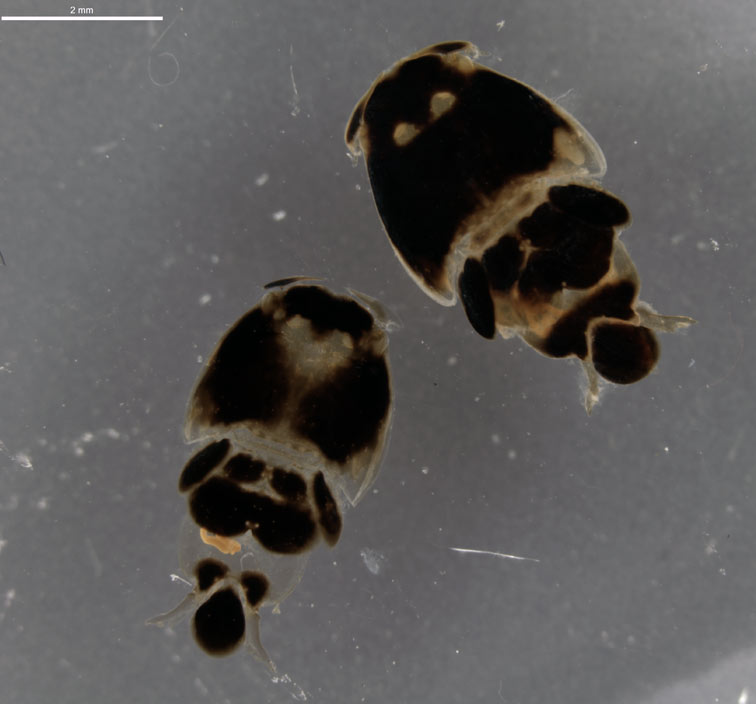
(543, 275)
(568, 335)
(218, 624)
(585, 256)
(590, 205)
(244, 468)
(220, 506)
(328, 510)
(343, 415)
(496, 130)
(255, 585)
(208, 572)
(623, 353)
(202, 463)
(476, 298)
(503, 262)
(280, 527)
(290, 485)
(247, 378)
(543, 227)
(571, 253)
(327, 312)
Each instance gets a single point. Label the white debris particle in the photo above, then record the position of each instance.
(87, 437)
(105, 148)
(200, 359)
(743, 698)
(512, 454)
(3, 543)
(201, 688)
(723, 571)
(43, 504)
(702, 68)
(279, 215)
(373, 560)
(205, 298)
(262, 179)
(500, 25)
(666, 449)
(112, 433)
(79, 451)
(452, 361)
(295, 99)
(711, 546)
(96, 564)
(473, 551)
(714, 244)
(214, 259)
(425, 470)
(10, 595)
(495, 439)
(179, 578)
(23, 460)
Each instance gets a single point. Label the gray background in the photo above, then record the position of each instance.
(134, 233)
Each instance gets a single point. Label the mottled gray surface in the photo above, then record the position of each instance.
(135, 230)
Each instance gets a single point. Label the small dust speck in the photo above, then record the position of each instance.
(205, 298)
(452, 361)
(666, 449)
(512, 454)
(279, 215)
(10, 595)
(425, 470)
(214, 259)
(702, 68)
(201, 688)
(262, 179)
(714, 244)
(500, 25)
(495, 439)
(43, 504)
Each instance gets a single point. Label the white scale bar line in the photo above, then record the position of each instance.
(80, 18)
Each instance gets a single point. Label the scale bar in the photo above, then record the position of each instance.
(81, 18)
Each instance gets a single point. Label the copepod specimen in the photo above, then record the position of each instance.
(489, 192)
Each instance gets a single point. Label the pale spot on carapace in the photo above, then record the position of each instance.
(404, 133)
(567, 146)
(227, 546)
(440, 103)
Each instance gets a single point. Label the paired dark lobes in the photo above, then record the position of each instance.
(488, 190)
